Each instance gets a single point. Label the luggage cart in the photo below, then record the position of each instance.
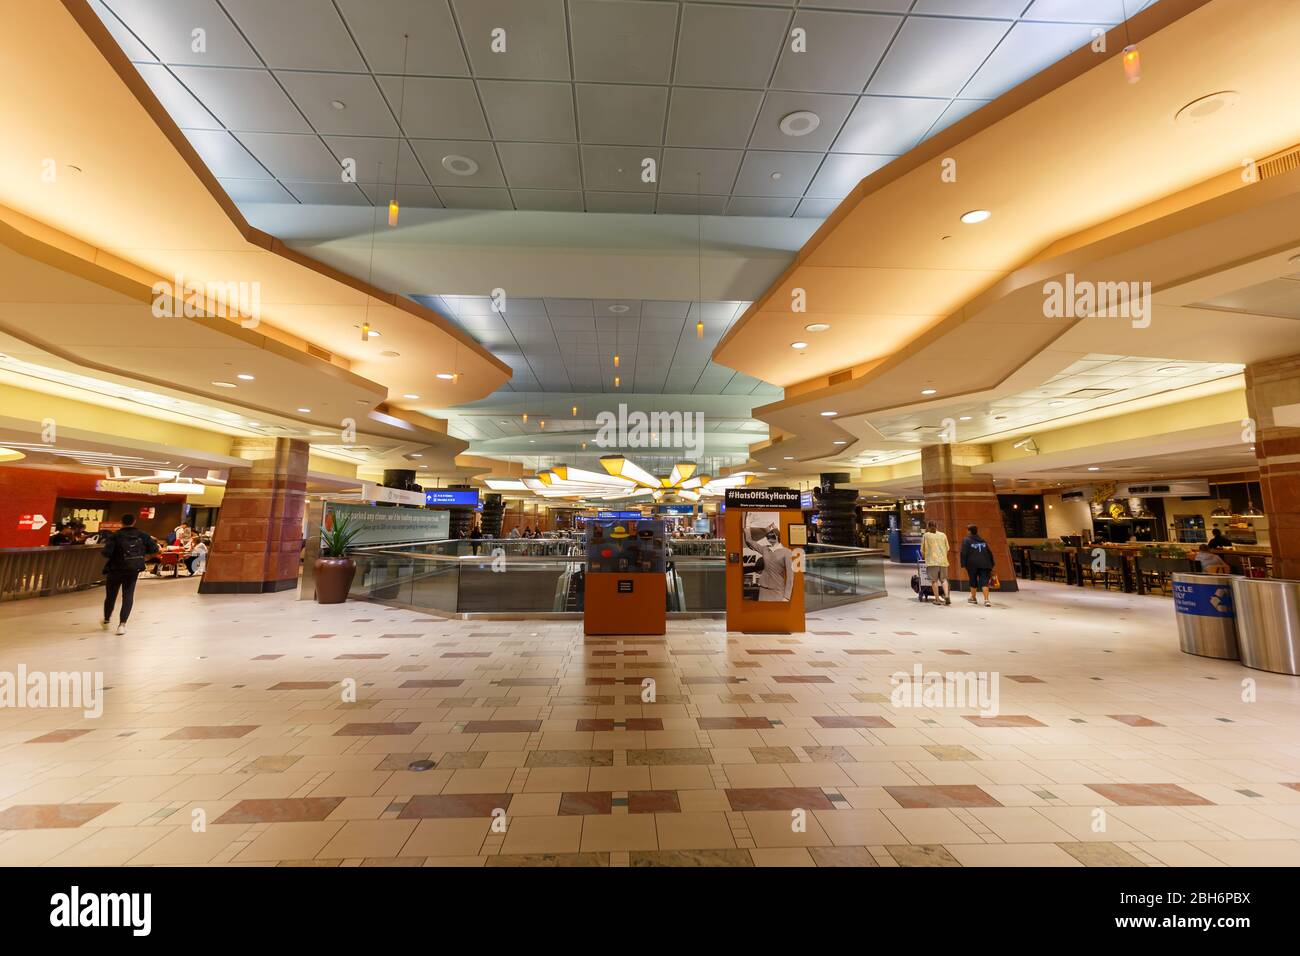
(921, 582)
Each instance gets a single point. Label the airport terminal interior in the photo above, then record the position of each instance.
(650, 433)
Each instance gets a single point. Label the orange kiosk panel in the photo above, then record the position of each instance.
(625, 591)
(764, 572)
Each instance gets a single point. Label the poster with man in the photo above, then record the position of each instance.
(768, 564)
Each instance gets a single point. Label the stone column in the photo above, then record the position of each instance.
(1273, 402)
(956, 498)
(258, 540)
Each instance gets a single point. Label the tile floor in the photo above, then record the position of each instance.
(227, 738)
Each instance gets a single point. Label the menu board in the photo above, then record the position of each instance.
(626, 546)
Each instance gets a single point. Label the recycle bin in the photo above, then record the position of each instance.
(1203, 607)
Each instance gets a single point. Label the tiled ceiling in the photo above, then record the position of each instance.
(1094, 381)
(584, 91)
(568, 345)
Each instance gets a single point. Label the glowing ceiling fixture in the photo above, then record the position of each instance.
(225, 385)
(615, 361)
(411, 396)
(829, 414)
(525, 418)
(816, 327)
(392, 212)
(929, 391)
(244, 376)
(617, 381)
(1132, 63)
(401, 106)
(798, 346)
(447, 376)
(974, 216)
(574, 410)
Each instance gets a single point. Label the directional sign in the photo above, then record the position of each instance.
(35, 522)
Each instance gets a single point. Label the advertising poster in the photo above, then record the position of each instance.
(768, 563)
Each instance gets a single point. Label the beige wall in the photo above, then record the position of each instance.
(1066, 517)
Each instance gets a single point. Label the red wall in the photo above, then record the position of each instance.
(32, 491)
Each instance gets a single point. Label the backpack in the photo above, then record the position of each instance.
(129, 551)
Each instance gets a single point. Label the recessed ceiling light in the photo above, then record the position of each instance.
(789, 457)
(974, 216)
(798, 345)
(772, 468)
(225, 385)
(244, 376)
(255, 424)
(338, 104)
(410, 396)
(1093, 468)
(620, 309)
(929, 391)
(446, 376)
(1204, 107)
(417, 456)
(1172, 368)
(841, 442)
(389, 353)
(816, 327)
(776, 175)
(800, 123)
(459, 165)
(829, 414)
(304, 410)
(964, 418)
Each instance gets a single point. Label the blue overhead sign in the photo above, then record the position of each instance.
(464, 499)
(676, 509)
(617, 515)
(805, 500)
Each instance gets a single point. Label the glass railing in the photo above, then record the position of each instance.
(538, 576)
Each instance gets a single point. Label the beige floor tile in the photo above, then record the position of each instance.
(931, 826)
(681, 778)
(703, 801)
(543, 835)
(741, 776)
(634, 831)
(351, 784)
(1012, 854)
(360, 808)
(34, 847)
(868, 827)
(374, 838)
(182, 847)
(555, 780)
(781, 856)
(776, 828)
(619, 778)
(479, 781)
(289, 841)
(108, 846)
(693, 831)
(447, 838)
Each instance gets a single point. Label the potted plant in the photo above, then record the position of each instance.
(334, 569)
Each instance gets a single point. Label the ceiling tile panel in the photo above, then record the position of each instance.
(364, 111)
(842, 51)
(537, 112)
(540, 165)
(297, 34)
(632, 115)
(379, 25)
(729, 46)
(935, 56)
(629, 42)
(168, 29)
(245, 100)
(518, 39)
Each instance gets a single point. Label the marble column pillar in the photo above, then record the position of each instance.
(955, 497)
(1273, 401)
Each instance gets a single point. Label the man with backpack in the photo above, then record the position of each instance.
(124, 552)
(977, 560)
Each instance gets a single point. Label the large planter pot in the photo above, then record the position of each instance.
(334, 579)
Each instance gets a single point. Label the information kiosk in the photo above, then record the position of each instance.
(626, 592)
(765, 537)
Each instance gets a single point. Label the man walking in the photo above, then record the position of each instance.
(934, 554)
(124, 555)
(977, 560)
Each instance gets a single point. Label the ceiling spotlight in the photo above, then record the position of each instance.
(615, 361)
(392, 211)
(445, 376)
(699, 329)
(412, 397)
(789, 457)
(822, 326)
(459, 165)
(617, 381)
(417, 456)
(800, 123)
(1205, 107)
(964, 418)
(1093, 468)
(244, 376)
(225, 385)
(575, 411)
(620, 309)
(798, 346)
(525, 418)
(829, 414)
(338, 104)
(772, 468)
(776, 175)
(304, 410)
(841, 442)
(929, 391)
(974, 216)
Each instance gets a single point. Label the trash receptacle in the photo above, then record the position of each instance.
(1203, 606)
(1268, 623)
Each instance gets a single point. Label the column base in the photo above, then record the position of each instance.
(245, 587)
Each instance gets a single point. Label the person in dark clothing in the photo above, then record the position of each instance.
(1219, 540)
(65, 535)
(977, 560)
(125, 551)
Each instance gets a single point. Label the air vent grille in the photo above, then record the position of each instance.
(319, 352)
(838, 377)
(1279, 164)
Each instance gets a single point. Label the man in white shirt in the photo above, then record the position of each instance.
(934, 555)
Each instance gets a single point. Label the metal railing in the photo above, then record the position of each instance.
(39, 572)
(533, 576)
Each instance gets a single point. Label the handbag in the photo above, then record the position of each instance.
(994, 583)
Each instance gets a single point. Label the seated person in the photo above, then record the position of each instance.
(197, 559)
(1210, 562)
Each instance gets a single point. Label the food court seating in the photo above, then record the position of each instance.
(1110, 572)
(1156, 573)
(1049, 565)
